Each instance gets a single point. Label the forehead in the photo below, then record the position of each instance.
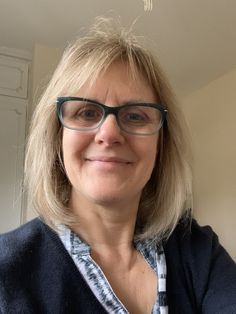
(118, 81)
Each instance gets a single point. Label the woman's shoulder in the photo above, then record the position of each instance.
(200, 268)
(196, 245)
(14, 245)
(188, 233)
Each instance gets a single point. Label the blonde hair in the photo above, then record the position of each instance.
(164, 197)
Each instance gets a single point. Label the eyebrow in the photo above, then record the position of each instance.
(136, 101)
(128, 102)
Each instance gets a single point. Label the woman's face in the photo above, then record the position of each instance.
(108, 165)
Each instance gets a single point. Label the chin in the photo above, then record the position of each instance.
(110, 198)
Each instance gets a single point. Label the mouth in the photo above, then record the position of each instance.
(108, 160)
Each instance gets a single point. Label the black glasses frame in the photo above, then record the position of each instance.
(109, 110)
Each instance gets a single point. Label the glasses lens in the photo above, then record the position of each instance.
(140, 119)
(81, 115)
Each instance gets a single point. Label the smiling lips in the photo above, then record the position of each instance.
(108, 160)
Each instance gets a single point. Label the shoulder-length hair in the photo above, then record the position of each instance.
(163, 198)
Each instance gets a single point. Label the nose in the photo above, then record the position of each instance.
(109, 133)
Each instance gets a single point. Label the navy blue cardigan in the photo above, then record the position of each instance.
(38, 276)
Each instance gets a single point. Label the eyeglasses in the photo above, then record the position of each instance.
(83, 114)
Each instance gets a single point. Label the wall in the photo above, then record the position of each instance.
(211, 115)
(45, 60)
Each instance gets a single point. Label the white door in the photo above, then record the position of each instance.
(12, 142)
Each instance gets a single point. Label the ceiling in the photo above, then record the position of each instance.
(195, 40)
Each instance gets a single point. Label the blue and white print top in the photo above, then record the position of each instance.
(96, 279)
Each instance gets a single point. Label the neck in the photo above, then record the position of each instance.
(107, 227)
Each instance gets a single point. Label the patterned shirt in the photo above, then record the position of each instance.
(97, 281)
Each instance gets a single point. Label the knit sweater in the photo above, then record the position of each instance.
(37, 275)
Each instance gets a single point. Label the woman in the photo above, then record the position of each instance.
(107, 170)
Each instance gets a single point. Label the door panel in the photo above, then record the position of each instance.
(12, 142)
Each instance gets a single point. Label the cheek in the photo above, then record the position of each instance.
(72, 146)
(151, 160)
(69, 139)
(152, 150)
(148, 153)
(73, 141)
(67, 143)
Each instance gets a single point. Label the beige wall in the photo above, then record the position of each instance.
(45, 60)
(211, 115)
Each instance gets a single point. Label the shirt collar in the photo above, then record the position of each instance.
(76, 246)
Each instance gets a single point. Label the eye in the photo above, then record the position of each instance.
(88, 112)
(134, 115)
